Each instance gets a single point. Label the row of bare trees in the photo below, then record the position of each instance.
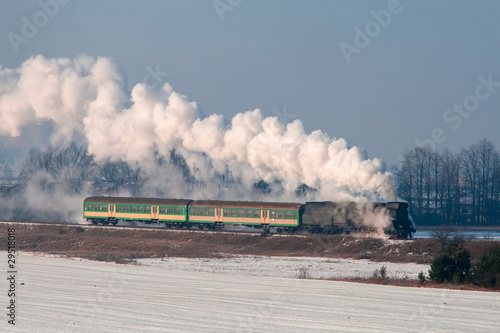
(453, 188)
(72, 169)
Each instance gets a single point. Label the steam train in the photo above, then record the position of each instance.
(315, 217)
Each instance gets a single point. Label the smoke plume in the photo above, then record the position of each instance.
(86, 98)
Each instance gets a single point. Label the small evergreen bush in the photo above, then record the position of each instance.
(421, 277)
(451, 266)
(486, 272)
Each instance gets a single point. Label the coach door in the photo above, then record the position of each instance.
(218, 214)
(264, 217)
(111, 211)
(154, 213)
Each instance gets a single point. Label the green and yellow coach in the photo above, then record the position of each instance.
(282, 215)
(108, 210)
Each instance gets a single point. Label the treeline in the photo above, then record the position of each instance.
(72, 170)
(451, 188)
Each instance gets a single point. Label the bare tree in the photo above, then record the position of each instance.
(115, 176)
(6, 166)
(480, 167)
(404, 178)
(446, 186)
(69, 167)
(448, 190)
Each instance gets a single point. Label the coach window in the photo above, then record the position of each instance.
(272, 214)
(226, 212)
(91, 207)
(249, 213)
(177, 210)
(148, 209)
(140, 209)
(126, 208)
(162, 210)
(210, 212)
(170, 210)
(234, 212)
(241, 213)
(133, 209)
(288, 214)
(119, 208)
(256, 213)
(196, 211)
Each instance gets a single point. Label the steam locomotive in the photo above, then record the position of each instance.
(316, 217)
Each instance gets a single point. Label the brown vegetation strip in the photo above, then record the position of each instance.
(114, 244)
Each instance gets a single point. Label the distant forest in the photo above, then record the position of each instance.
(445, 187)
(451, 188)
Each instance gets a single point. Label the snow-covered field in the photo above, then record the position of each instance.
(288, 267)
(72, 295)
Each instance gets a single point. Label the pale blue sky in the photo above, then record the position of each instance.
(286, 56)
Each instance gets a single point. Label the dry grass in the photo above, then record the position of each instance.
(412, 283)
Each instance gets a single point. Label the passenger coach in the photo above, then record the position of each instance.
(250, 213)
(108, 210)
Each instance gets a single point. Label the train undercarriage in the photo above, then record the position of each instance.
(401, 233)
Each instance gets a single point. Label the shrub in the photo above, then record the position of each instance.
(380, 273)
(303, 273)
(486, 272)
(443, 235)
(451, 266)
(421, 277)
(383, 272)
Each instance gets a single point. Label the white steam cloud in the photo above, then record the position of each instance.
(86, 97)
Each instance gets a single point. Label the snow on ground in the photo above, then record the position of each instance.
(288, 267)
(73, 295)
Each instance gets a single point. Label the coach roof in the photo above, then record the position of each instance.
(138, 201)
(245, 204)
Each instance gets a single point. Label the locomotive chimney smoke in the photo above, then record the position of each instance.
(86, 97)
